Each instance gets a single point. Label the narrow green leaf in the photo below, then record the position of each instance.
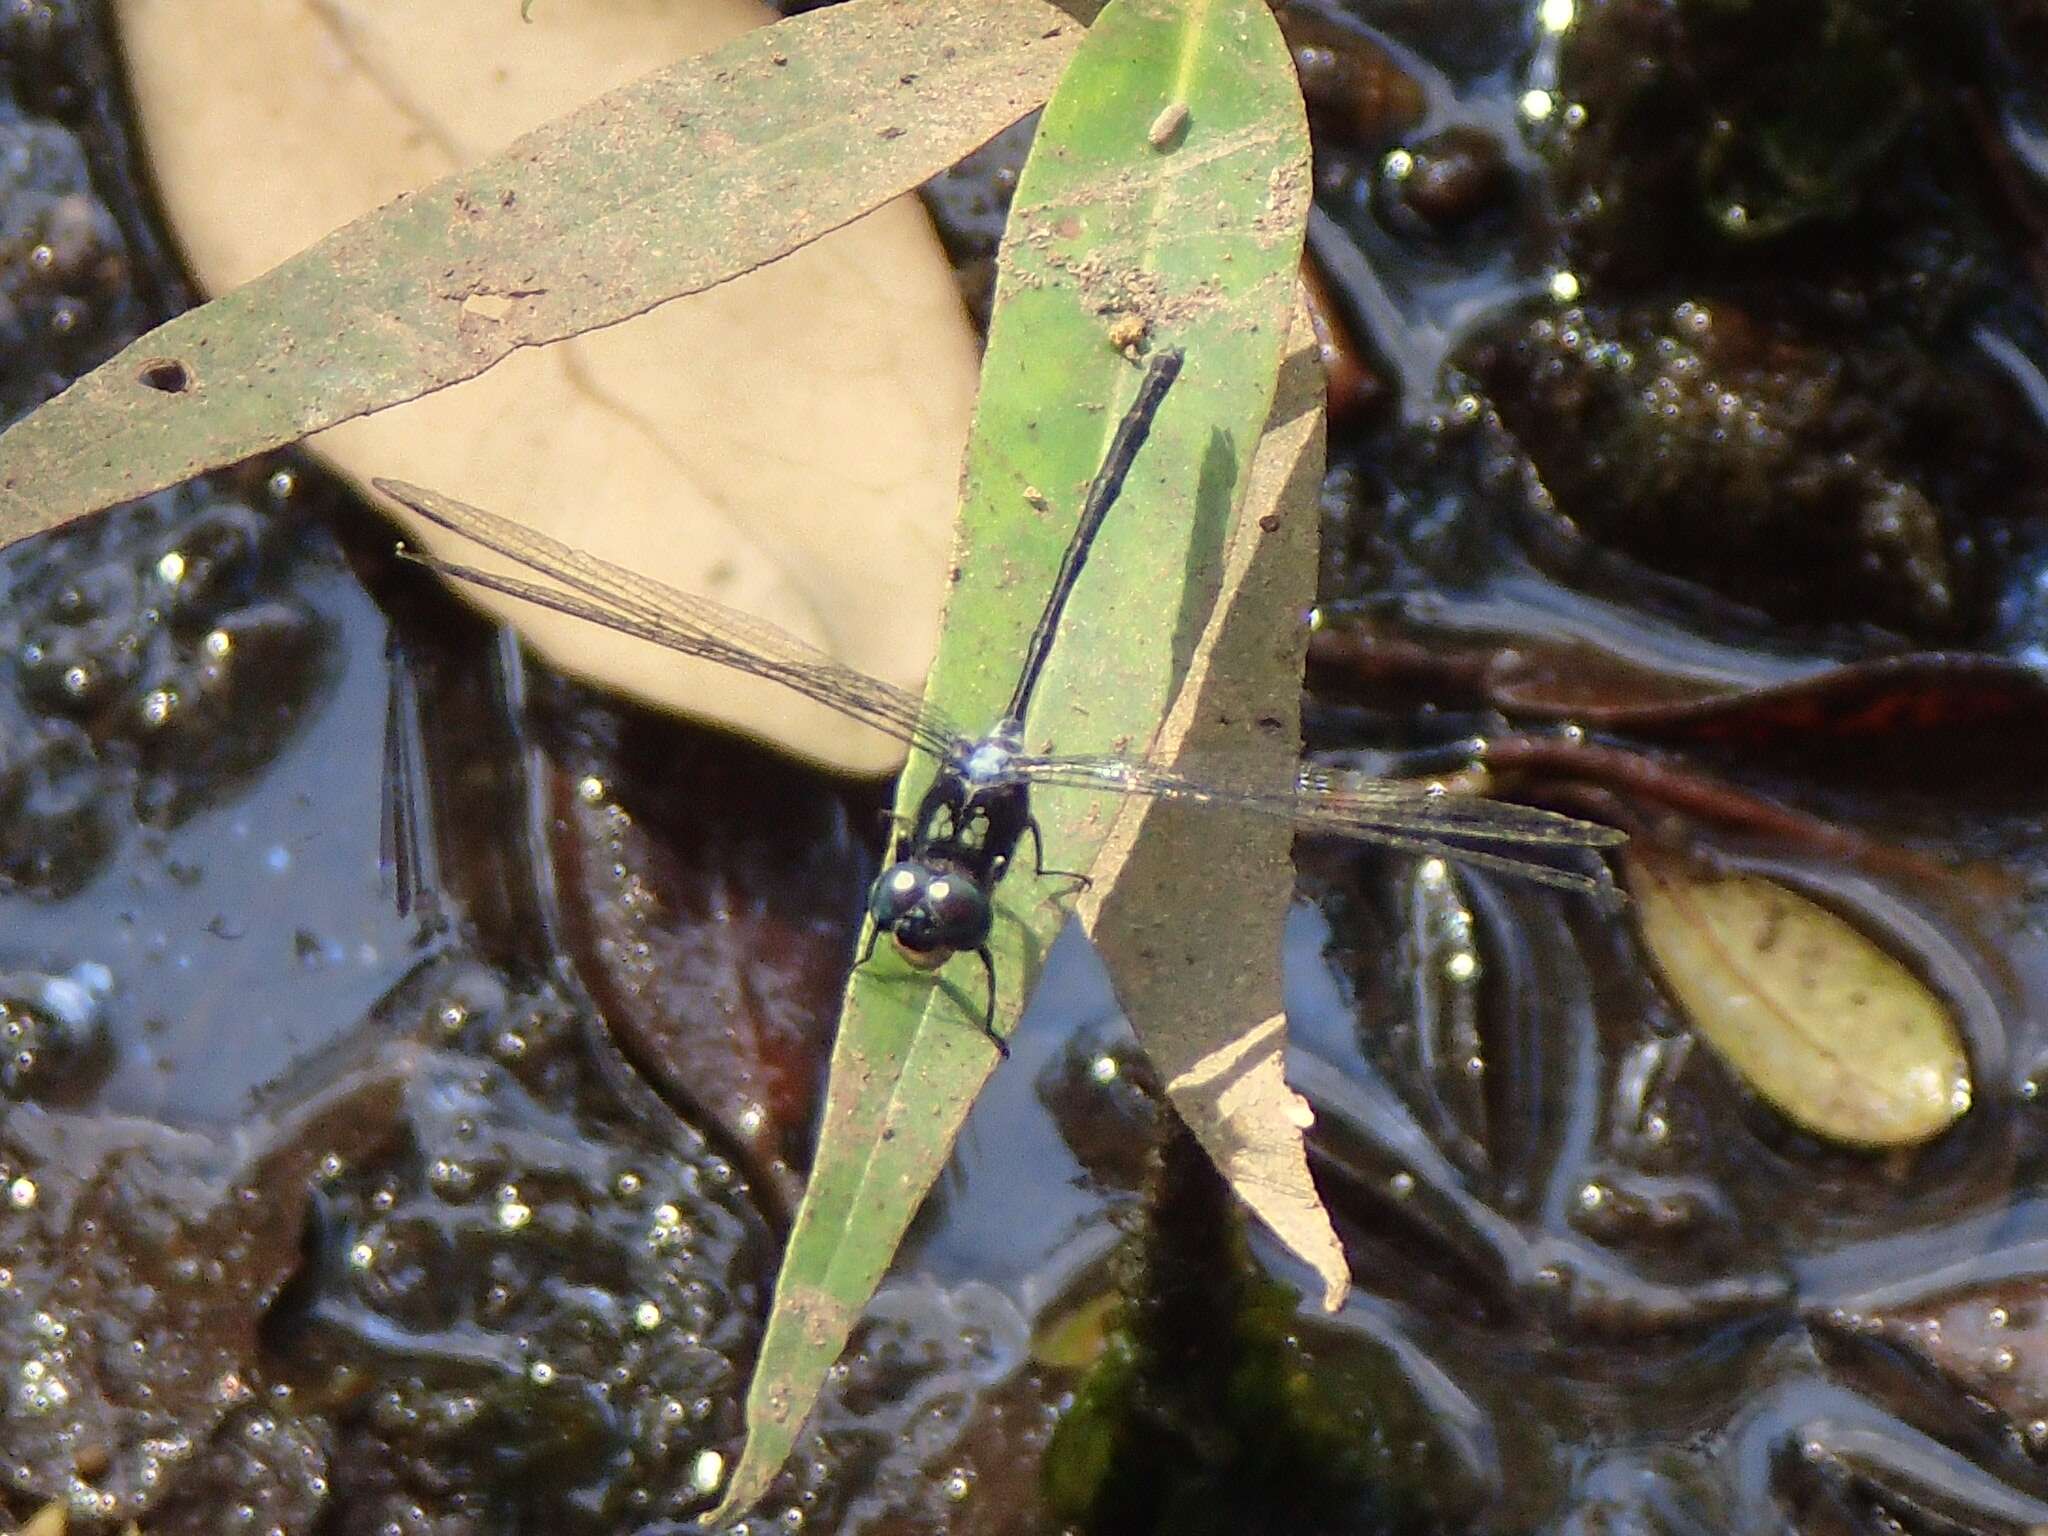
(1163, 205)
(1197, 961)
(694, 175)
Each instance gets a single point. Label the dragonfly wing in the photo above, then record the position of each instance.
(1395, 813)
(603, 593)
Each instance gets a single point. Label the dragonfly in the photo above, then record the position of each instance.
(935, 896)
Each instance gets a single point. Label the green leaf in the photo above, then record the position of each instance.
(1164, 205)
(1197, 964)
(1825, 1026)
(680, 181)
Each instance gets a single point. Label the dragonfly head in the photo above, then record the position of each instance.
(929, 913)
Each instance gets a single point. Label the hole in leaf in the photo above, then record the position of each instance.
(166, 375)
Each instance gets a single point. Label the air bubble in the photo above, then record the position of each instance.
(707, 1471)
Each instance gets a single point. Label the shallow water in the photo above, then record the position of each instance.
(412, 1057)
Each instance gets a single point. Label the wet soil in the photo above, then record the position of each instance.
(411, 1059)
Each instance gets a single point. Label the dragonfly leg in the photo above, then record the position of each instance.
(867, 952)
(896, 825)
(988, 1018)
(1081, 881)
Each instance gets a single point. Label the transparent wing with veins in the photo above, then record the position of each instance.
(1413, 815)
(1397, 813)
(610, 595)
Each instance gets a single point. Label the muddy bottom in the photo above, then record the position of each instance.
(411, 1060)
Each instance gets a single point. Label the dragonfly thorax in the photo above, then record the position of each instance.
(937, 897)
(987, 761)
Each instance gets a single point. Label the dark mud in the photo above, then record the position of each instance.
(410, 1060)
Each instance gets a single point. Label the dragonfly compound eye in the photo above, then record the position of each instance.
(897, 892)
(930, 914)
(958, 910)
